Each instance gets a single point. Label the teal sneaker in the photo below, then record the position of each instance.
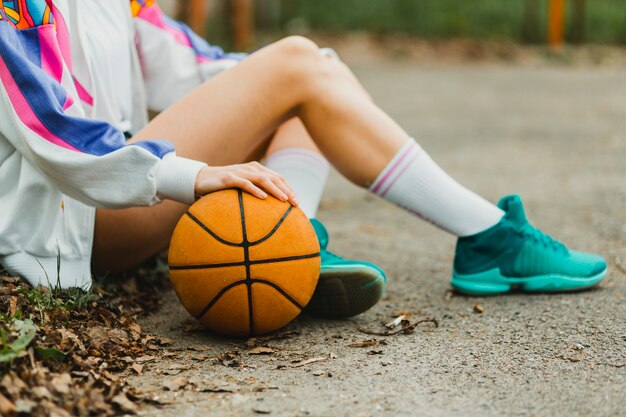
(514, 255)
(345, 288)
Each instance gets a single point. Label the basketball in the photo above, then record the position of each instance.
(244, 266)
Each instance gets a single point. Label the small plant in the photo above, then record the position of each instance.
(23, 332)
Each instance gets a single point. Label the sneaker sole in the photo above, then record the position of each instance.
(492, 282)
(343, 293)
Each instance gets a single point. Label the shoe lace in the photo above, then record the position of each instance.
(544, 239)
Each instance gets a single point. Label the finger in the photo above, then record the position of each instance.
(268, 185)
(282, 184)
(248, 186)
(286, 188)
(276, 178)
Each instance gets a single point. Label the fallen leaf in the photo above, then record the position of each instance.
(298, 364)
(262, 350)
(407, 328)
(124, 404)
(50, 354)
(24, 406)
(395, 322)
(98, 336)
(175, 384)
(41, 392)
(61, 383)
(364, 343)
(7, 408)
(165, 341)
(138, 368)
(197, 348)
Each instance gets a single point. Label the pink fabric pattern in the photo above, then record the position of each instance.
(25, 112)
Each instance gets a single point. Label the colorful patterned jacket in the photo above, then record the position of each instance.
(75, 77)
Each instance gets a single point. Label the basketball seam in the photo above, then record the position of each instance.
(271, 233)
(229, 287)
(240, 245)
(246, 258)
(280, 290)
(257, 262)
(217, 297)
(211, 232)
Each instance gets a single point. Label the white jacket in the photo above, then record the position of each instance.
(75, 76)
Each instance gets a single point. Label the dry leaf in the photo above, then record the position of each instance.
(364, 343)
(7, 408)
(61, 383)
(145, 358)
(298, 364)
(395, 322)
(197, 348)
(175, 384)
(124, 404)
(138, 368)
(262, 350)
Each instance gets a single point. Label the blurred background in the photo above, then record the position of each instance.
(244, 24)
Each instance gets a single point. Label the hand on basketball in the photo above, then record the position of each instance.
(251, 177)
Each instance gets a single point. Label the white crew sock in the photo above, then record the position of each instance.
(305, 171)
(413, 181)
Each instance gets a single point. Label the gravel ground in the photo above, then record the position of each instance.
(555, 135)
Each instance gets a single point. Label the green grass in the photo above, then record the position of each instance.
(44, 307)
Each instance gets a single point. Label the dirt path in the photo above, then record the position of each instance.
(557, 136)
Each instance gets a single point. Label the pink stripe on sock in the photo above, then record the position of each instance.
(25, 112)
(402, 171)
(287, 153)
(384, 179)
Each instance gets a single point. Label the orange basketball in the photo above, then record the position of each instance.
(244, 266)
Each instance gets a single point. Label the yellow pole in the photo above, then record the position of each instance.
(556, 23)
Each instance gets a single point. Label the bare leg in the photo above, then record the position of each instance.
(292, 134)
(240, 109)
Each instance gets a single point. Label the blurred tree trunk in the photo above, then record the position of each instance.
(194, 13)
(579, 9)
(243, 23)
(531, 30)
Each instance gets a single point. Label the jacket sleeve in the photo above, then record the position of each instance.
(174, 59)
(86, 159)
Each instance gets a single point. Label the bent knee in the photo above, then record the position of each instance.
(297, 45)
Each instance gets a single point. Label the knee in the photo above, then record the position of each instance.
(302, 61)
(297, 46)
